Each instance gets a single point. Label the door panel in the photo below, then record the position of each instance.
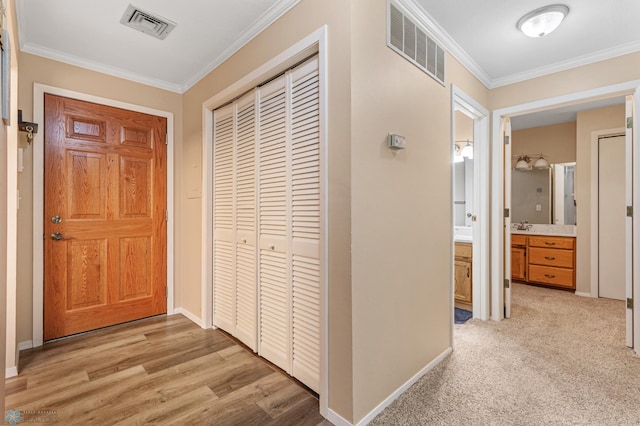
(611, 215)
(105, 177)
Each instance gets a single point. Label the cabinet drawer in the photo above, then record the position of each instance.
(518, 240)
(551, 257)
(551, 242)
(551, 275)
(463, 250)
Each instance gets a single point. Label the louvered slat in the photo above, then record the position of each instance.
(245, 189)
(305, 222)
(274, 288)
(224, 302)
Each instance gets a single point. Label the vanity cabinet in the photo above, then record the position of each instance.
(462, 275)
(550, 260)
(519, 257)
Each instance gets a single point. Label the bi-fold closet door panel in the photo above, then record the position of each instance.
(234, 189)
(268, 223)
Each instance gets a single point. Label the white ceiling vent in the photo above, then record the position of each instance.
(146, 22)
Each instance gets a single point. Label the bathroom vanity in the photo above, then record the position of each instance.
(462, 275)
(544, 258)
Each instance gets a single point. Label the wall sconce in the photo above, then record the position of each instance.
(26, 126)
(465, 152)
(523, 162)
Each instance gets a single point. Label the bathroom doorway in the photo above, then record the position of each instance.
(470, 206)
(590, 105)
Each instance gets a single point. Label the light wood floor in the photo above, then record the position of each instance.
(163, 370)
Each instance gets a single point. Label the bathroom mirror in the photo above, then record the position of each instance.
(463, 192)
(544, 196)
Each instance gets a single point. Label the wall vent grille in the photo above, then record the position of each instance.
(412, 42)
(147, 23)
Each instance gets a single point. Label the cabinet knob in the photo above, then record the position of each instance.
(550, 243)
(467, 272)
(550, 258)
(549, 275)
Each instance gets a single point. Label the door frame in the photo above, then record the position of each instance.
(465, 104)
(315, 42)
(38, 195)
(498, 253)
(595, 216)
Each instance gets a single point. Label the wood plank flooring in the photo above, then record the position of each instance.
(162, 370)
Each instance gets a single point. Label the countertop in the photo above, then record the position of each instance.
(547, 230)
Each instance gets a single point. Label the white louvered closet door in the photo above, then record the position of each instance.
(289, 223)
(223, 219)
(273, 225)
(245, 220)
(305, 221)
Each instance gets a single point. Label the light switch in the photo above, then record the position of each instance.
(538, 207)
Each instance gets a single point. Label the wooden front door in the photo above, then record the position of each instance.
(104, 216)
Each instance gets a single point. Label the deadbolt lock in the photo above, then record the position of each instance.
(56, 219)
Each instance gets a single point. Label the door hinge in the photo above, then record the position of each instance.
(506, 139)
(506, 212)
(166, 292)
(629, 122)
(629, 211)
(166, 139)
(166, 215)
(507, 284)
(629, 303)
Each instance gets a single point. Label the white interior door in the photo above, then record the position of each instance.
(611, 218)
(628, 219)
(506, 129)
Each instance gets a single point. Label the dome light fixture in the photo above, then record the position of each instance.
(541, 163)
(523, 163)
(542, 21)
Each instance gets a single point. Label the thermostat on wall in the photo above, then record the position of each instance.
(396, 141)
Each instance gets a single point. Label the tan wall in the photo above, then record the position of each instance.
(588, 122)
(302, 20)
(613, 71)
(557, 141)
(401, 210)
(35, 69)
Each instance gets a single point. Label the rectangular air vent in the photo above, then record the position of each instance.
(147, 23)
(411, 41)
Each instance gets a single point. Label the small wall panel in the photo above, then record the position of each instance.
(135, 268)
(86, 185)
(86, 285)
(135, 187)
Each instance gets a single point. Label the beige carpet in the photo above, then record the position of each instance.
(561, 359)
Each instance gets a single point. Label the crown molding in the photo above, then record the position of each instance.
(602, 55)
(434, 29)
(269, 17)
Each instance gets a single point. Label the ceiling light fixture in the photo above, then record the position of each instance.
(542, 21)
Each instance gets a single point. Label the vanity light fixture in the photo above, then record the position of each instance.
(523, 162)
(467, 151)
(541, 163)
(542, 21)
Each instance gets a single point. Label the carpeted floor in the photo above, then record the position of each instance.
(560, 360)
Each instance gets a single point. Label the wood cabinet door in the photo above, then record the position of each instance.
(462, 273)
(518, 263)
(104, 216)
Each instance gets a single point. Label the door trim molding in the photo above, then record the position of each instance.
(595, 196)
(498, 253)
(316, 42)
(38, 195)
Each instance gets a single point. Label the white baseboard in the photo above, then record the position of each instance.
(581, 294)
(384, 404)
(337, 419)
(190, 315)
(25, 345)
(11, 372)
